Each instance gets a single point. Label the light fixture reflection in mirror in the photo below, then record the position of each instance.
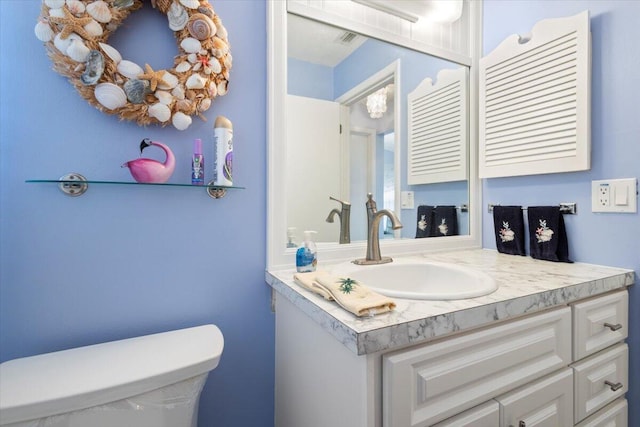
(377, 103)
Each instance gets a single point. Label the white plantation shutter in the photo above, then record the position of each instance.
(535, 101)
(438, 129)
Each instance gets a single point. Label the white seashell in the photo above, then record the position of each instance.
(222, 88)
(54, 4)
(170, 79)
(177, 16)
(192, 57)
(43, 31)
(214, 66)
(99, 10)
(94, 28)
(196, 81)
(110, 96)
(213, 90)
(204, 105)
(111, 52)
(164, 97)
(63, 44)
(160, 112)
(57, 13)
(178, 92)
(129, 69)
(191, 4)
(181, 121)
(191, 45)
(197, 66)
(76, 7)
(78, 51)
(183, 67)
(228, 60)
(222, 31)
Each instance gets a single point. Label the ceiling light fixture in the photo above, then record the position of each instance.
(377, 103)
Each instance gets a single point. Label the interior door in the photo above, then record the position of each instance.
(313, 166)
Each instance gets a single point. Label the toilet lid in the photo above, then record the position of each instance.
(64, 381)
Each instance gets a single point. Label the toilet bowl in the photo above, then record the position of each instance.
(149, 381)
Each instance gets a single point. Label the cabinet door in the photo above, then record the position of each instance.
(430, 383)
(599, 323)
(600, 379)
(485, 415)
(544, 403)
(614, 415)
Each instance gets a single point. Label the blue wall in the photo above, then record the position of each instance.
(609, 239)
(123, 261)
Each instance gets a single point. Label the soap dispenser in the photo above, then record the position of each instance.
(291, 234)
(306, 255)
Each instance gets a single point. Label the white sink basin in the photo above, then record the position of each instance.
(417, 278)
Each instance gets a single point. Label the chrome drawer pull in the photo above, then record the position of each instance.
(613, 327)
(614, 387)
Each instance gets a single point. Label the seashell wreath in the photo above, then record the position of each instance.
(76, 32)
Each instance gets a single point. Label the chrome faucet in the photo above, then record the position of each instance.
(373, 239)
(345, 218)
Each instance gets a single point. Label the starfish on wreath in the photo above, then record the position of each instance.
(72, 24)
(154, 77)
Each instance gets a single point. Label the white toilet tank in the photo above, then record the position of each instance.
(149, 381)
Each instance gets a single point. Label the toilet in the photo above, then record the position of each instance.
(149, 381)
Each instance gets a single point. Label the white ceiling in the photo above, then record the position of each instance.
(318, 43)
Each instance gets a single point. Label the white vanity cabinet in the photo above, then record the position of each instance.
(518, 373)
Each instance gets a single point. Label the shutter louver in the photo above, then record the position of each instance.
(438, 129)
(534, 101)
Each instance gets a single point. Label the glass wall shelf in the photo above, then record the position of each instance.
(74, 184)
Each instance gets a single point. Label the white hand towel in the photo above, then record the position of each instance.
(350, 294)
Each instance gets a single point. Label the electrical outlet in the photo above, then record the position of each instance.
(614, 195)
(406, 200)
(604, 194)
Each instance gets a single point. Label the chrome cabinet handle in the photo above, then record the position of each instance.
(612, 326)
(614, 387)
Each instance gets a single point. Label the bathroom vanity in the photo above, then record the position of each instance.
(546, 348)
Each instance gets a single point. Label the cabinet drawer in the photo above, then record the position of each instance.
(427, 384)
(485, 415)
(599, 323)
(544, 403)
(613, 415)
(600, 379)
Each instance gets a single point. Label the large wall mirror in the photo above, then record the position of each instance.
(332, 139)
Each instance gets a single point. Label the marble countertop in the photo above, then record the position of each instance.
(525, 285)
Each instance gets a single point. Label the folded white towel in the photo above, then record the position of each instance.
(348, 293)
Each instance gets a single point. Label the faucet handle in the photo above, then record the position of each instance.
(343, 203)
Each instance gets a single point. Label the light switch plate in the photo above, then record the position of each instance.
(407, 200)
(614, 195)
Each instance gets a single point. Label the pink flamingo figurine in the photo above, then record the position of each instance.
(149, 170)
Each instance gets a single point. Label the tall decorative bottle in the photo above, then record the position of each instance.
(197, 164)
(223, 141)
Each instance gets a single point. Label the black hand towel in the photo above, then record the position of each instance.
(445, 221)
(547, 235)
(508, 224)
(425, 221)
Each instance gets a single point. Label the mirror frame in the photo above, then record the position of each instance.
(278, 255)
